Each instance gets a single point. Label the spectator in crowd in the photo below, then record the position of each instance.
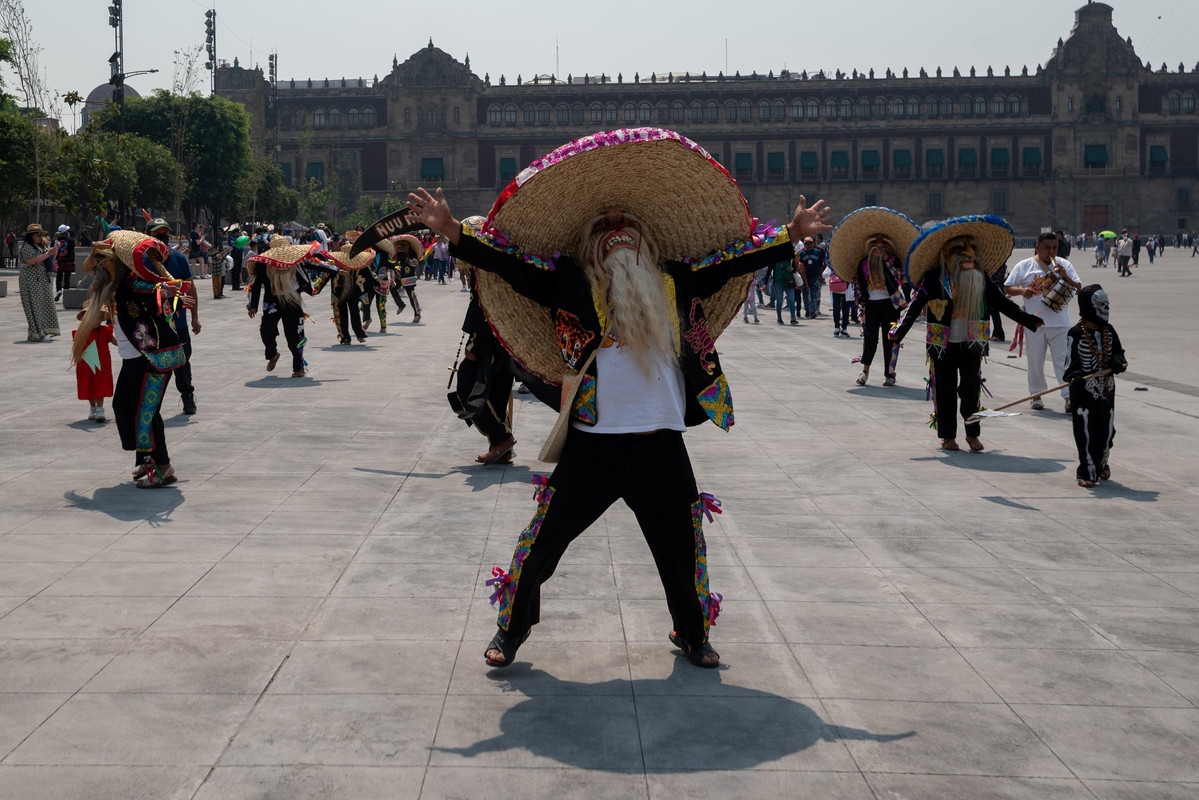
(10, 248)
(65, 260)
(813, 259)
(34, 283)
(195, 252)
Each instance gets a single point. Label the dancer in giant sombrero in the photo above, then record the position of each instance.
(867, 250)
(130, 276)
(609, 267)
(279, 278)
(948, 267)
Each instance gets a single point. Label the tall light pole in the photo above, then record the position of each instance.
(210, 44)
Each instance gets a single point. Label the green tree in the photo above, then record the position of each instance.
(262, 195)
(16, 164)
(316, 201)
(160, 178)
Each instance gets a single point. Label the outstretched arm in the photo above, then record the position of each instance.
(434, 212)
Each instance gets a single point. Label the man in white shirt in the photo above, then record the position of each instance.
(1030, 279)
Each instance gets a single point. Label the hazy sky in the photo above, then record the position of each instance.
(358, 38)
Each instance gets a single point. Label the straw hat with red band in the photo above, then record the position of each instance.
(850, 242)
(687, 202)
(282, 254)
(994, 236)
(133, 250)
(344, 261)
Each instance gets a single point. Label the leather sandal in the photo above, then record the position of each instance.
(861, 381)
(950, 445)
(155, 478)
(498, 451)
(507, 645)
(270, 365)
(696, 655)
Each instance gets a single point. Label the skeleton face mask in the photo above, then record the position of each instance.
(1093, 304)
(1100, 302)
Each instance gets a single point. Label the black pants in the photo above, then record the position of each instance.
(1094, 421)
(183, 375)
(485, 387)
(879, 316)
(136, 402)
(235, 273)
(653, 475)
(996, 323)
(292, 319)
(345, 315)
(62, 279)
(956, 382)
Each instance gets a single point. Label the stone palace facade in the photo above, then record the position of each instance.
(1094, 139)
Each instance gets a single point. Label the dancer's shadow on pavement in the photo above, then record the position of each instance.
(285, 381)
(588, 725)
(995, 461)
(903, 392)
(1107, 489)
(128, 503)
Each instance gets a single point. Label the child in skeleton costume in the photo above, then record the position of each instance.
(352, 281)
(1094, 347)
(867, 250)
(609, 267)
(947, 266)
(129, 274)
(279, 276)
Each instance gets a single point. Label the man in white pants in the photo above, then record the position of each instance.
(1030, 279)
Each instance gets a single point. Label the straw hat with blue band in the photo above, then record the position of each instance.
(995, 237)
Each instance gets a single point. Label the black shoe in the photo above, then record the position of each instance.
(416, 319)
(189, 404)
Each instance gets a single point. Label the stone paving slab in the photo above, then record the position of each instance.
(303, 615)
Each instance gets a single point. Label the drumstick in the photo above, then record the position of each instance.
(1050, 390)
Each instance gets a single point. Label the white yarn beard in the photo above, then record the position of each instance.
(969, 286)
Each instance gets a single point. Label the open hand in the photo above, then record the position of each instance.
(434, 212)
(809, 221)
(252, 312)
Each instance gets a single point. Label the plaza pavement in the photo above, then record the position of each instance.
(303, 615)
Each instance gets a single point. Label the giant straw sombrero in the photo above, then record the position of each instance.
(282, 254)
(344, 261)
(994, 235)
(415, 247)
(689, 204)
(847, 247)
(133, 250)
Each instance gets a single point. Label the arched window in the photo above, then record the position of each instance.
(528, 113)
(1000, 105)
(746, 111)
(980, 106)
(913, 106)
(663, 112)
(730, 111)
(509, 114)
(285, 120)
(830, 109)
(630, 112)
(897, 107)
(494, 115)
(697, 111)
(335, 118)
(880, 107)
(300, 119)
(946, 107)
(930, 106)
(1188, 102)
(562, 114)
(1173, 100)
(676, 112)
(813, 109)
(368, 117)
(778, 110)
(610, 112)
(797, 110)
(352, 118)
(318, 118)
(576, 114)
(712, 111)
(1014, 106)
(543, 114)
(864, 108)
(966, 105)
(597, 112)
(645, 113)
(431, 116)
(763, 110)
(846, 109)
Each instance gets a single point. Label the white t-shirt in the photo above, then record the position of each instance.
(1024, 274)
(628, 401)
(125, 348)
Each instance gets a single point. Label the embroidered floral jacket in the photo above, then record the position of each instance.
(936, 294)
(563, 288)
(147, 328)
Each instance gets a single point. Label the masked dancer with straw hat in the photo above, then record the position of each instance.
(948, 267)
(279, 276)
(129, 274)
(352, 281)
(867, 250)
(609, 267)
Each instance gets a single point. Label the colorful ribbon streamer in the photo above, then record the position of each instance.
(711, 505)
(542, 483)
(714, 601)
(500, 580)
